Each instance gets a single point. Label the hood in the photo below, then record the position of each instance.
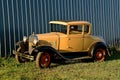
(50, 35)
(50, 39)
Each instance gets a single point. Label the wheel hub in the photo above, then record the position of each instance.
(99, 54)
(46, 59)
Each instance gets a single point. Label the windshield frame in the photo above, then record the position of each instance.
(58, 28)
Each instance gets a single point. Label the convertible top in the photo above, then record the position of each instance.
(69, 22)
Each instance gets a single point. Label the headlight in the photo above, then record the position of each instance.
(35, 40)
(24, 39)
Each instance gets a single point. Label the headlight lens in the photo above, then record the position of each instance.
(35, 40)
(24, 39)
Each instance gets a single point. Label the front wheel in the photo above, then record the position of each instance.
(43, 60)
(99, 54)
(19, 58)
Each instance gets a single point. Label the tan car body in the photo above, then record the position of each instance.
(66, 41)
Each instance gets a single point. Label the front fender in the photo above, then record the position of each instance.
(53, 52)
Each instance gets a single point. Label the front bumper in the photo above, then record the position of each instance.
(27, 56)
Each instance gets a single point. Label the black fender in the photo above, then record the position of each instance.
(99, 44)
(53, 52)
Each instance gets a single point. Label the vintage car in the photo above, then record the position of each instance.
(66, 41)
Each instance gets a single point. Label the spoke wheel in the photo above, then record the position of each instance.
(43, 60)
(19, 58)
(99, 54)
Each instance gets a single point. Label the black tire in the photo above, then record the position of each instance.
(99, 54)
(43, 60)
(20, 59)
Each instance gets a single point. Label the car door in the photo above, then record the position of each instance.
(75, 39)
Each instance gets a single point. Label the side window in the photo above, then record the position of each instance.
(86, 28)
(80, 28)
(76, 29)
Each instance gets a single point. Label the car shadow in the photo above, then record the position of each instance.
(71, 62)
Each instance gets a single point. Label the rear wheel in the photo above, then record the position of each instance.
(19, 58)
(43, 60)
(99, 54)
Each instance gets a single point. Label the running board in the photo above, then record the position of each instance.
(85, 57)
(73, 59)
(78, 59)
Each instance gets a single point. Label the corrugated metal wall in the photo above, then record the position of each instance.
(22, 17)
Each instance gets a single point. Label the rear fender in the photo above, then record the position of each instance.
(99, 44)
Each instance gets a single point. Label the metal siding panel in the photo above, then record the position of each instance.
(45, 15)
(59, 16)
(62, 3)
(22, 17)
(17, 25)
(34, 12)
(9, 27)
(1, 30)
(30, 16)
(13, 23)
(0, 27)
(26, 18)
(4, 28)
(93, 18)
(65, 9)
(22, 20)
(38, 14)
(0, 48)
(42, 17)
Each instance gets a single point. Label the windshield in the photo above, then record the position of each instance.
(58, 28)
